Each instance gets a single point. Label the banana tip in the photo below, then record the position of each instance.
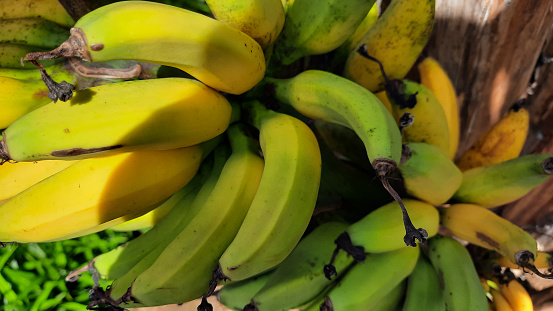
(4, 154)
(547, 166)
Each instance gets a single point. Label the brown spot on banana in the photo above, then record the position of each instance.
(486, 239)
(80, 151)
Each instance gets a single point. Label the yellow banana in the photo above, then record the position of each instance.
(499, 301)
(33, 31)
(516, 295)
(482, 227)
(366, 24)
(214, 53)
(50, 10)
(101, 189)
(143, 114)
(428, 173)
(500, 183)
(396, 39)
(260, 19)
(502, 142)
(434, 77)
(285, 200)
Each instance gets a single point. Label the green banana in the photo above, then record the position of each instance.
(299, 278)
(392, 301)
(286, 197)
(236, 295)
(200, 244)
(366, 284)
(429, 174)
(500, 183)
(424, 291)
(318, 29)
(11, 55)
(33, 31)
(216, 54)
(114, 118)
(458, 277)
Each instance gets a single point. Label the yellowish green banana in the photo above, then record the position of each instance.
(424, 290)
(33, 31)
(50, 10)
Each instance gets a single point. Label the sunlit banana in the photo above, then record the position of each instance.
(435, 78)
(260, 19)
(200, 244)
(50, 10)
(428, 173)
(318, 29)
(424, 291)
(516, 295)
(482, 227)
(300, 278)
(286, 197)
(367, 283)
(499, 301)
(460, 282)
(502, 142)
(214, 53)
(143, 114)
(396, 39)
(11, 54)
(500, 183)
(101, 189)
(238, 294)
(33, 31)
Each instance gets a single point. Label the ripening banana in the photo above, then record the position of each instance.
(543, 260)
(200, 244)
(482, 227)
(516, 295)
(33, 31)
(499, 301)
(424, 289)
(428, 173)
(502, 142)
(318, 29)
(50, 10)
(285, 200)
(367, 283)
(300, 278)
(430, 123)
(458, 277)
(101, 189)
(20, 97)
(11, 54)
(216, 54)
(17, 177)
(436, 79)
(500, 183)
(260, 19)
(114, 118)
(396, 39)
(28, 73)
(238, 294)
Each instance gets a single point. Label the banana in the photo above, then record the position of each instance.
(318, 29)
(33, 31)
(260, 19)
(50, 10)
(396, 39)
(17, 177)
(436, 79)
(428, 173)
(366, 284)
(237, 294)
(460, 282)
(381, 230)
(200, 244)
(285, 200)
(22, 73)
(142, 114)
(502, 142)
(500, 302)
(102, 189)
(216, 54)
(543, 260)
(11, 55)
(393, 300)
(500, 183)
(299, 278)
(482, 227)
(424, 291)
(516, 295)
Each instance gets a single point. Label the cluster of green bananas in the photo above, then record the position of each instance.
(234, 164)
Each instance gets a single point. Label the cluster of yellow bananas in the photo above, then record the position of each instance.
(220, 178)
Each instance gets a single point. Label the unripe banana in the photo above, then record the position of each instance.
(318, 29)
(11, 55)
(143, 114)
(50, 10)
(428, 173)
(500, 183)
(238, 294)
(424, 290)
(458, 277)
(396, 39)
(482, 227)
(33, 31)
(393, 300)
(434, 77)
(28, 73)
(214, 53)
(260, 19)
(285, 200)
(502, 142)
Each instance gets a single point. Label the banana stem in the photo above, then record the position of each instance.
(523, 258)
(4, 153)
(343, 241)
(217, 276)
